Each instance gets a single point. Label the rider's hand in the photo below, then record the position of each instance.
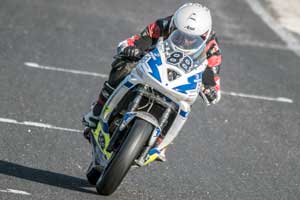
(211, 94)
(132, 52)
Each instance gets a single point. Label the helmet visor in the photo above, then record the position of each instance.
(186, 42)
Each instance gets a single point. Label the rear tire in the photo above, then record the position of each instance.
(123, 159)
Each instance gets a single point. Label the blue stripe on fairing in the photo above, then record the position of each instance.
(183, 113)
(128, 84)
(154, 63)
(192, 83)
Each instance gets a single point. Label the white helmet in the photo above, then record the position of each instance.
(193, 22)
(193, 19)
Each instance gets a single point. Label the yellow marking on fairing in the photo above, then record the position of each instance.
(106, 111)
(96, 134)
(106, 143)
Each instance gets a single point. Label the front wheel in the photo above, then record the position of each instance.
(123, 159)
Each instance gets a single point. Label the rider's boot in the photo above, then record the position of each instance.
(91, 118)
(162, 156)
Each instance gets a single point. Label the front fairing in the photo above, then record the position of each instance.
(155, 69)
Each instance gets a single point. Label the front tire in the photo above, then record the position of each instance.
(123, 159)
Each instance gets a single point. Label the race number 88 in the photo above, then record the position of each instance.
(177, 57)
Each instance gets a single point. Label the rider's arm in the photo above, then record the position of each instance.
(214, 59)
(149, 36)
(211, 75)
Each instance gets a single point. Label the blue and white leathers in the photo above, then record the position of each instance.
(154, 70)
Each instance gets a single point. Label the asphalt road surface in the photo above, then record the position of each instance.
(243, 148)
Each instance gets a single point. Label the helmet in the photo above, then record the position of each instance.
(193, 19)
(190, 26)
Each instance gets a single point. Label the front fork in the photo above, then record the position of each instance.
(118, 131)
(128, 117)
(150, 154)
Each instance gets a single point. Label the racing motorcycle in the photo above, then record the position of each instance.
(145, 112)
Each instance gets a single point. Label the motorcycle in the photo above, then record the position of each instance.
(144, 114)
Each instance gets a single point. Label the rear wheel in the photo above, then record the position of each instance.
(123, 159)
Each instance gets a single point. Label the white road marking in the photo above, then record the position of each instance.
(258, 44)
(15, 192)
(37, 124)
(278, 99)
(291, 41)
(287, 13)
(37, 66)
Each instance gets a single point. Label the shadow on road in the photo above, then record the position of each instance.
(45, 177)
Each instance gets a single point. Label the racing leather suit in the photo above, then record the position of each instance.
(161, 28)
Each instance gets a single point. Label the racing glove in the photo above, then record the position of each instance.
(132, 52)
(210, 93)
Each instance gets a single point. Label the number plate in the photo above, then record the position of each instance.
(179, 60)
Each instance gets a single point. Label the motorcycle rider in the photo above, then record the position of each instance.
(191, 18)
